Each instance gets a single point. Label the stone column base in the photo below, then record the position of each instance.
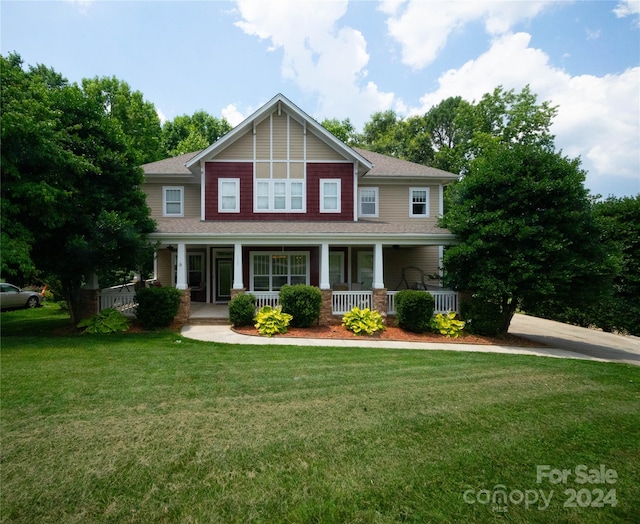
(326, 311)
(184, 310)
(379, 304)
(237, 291)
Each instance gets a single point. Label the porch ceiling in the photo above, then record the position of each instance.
(262, 232)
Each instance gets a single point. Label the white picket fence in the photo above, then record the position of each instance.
(266, 298)
(345, 301)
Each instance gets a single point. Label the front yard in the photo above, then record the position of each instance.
(153, 427)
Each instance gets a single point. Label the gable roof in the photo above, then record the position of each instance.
(278, 102)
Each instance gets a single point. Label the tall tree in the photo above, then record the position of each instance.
(137, 118)
(383, 134)
(343, 130)
(185, 133)
(446, 134)
(526, 230)
(71, 199)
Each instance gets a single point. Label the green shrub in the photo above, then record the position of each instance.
(242, 310)
(303, 303)
(447, 325)
(482, 317)
(157, 306)
(107, 321)
(272, 321)
(414, 310)
(360, 321)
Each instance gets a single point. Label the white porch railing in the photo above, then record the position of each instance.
(445, 301)
(266, 298)
(121, 298)
(345, 301)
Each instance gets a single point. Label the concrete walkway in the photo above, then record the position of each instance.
(561, 345)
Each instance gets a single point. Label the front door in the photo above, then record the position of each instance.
(224, 279)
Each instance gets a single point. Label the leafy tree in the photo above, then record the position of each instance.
(620, 219)
(343, 130)
(526, 230)
(619, 310)
(136, 117)
(71, 199)
(446, 134)
(383, 134)
(185, 133)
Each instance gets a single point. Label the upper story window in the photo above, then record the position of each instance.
(330, 196)
(419, 202)
(228, 195)
(279, 195)
(368, 202)
(172, 201)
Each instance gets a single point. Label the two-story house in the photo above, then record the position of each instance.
(279, 200)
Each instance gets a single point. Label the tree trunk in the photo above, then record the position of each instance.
(508, 309)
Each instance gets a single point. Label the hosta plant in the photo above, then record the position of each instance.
(107, 321)
(361, 321)
(272, 321)
(447, 325)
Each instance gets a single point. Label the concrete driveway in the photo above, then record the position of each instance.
(589, 342)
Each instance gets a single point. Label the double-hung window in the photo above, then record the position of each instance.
(229, 195)
(172, 201)
(369, 202)
(419, 202)
(330, 196)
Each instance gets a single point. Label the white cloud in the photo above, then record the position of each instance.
(598, 117)
(319, 56)
(233, 115)
(83, 6)
(422, 28)
(161, 116)
(628, 8)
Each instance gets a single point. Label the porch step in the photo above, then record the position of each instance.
(209, 322)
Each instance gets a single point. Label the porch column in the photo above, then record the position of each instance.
(181, 270)
(378, 267)
(324, 267)
(237, 266)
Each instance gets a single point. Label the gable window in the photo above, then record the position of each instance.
(271, 271)
(419, 202)
(330, 196)
(172, 201)
(368, 201)
(229, 195)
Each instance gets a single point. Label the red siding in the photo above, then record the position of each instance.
(244, 171)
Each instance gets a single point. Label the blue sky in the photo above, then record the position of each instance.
(349, 59)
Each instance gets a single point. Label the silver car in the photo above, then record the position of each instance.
(14, 297)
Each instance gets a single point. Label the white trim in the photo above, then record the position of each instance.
(202, 190)
(426, 203)
(376, 202)
(441, 199)
(324, 182)
(164, 201)
(236, 182)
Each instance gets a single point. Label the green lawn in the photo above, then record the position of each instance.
(158, 428)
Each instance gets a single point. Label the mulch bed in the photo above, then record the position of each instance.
(393, 333)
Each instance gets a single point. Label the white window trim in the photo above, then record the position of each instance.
(236, 181)
(377, 202)
(271, 182)
(164, 201)
(426, 208)
(253, 254)
(325, 182)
